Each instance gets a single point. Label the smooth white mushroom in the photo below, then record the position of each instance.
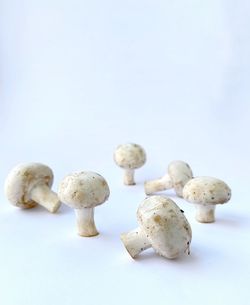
(179, 173)
(83, 191)
(129, 157)
(162, 226)
(30, 184)
(205, 193)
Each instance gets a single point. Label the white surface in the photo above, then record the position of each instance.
(79, 78)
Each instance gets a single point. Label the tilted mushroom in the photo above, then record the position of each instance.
(30, 184)
(83, 191)
(129, 157)
(162, 226)
(205, 193)
(179, 173)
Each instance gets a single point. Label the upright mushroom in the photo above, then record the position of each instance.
(129, 157)
(179, 173)
(205, 193)
(162, 226)
(83, 191)
(30, 184)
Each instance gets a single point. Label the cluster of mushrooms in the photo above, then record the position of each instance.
(162, 224)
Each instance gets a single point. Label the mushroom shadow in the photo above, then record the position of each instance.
(41, 210)
(232, 222)
(151, 255)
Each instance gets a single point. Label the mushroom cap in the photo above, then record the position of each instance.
(165, 226)
(180, 173)
(129, 156)
(22, 178)
(206, 190)
(83, 190)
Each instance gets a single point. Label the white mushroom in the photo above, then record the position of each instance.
(205, 193)
(179, 173)
(162, 226)
(30, 183)
(83, 191)
(129, 157)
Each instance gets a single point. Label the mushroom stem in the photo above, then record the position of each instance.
(205, 213)
(128, 177)
(85, 222)
(44, 196)
(158, 185)
(135, 242)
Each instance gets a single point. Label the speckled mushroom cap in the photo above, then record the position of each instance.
(83, 190)
(165, 225)
(129, 156)
(206, 190)
(22, 179)
(180, 173)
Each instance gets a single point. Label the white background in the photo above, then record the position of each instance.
(80, 77)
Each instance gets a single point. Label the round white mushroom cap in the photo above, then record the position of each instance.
(165, 226)
(180, 173)
(83, 190)
(129, 156)
(206, 190)
(22, 179)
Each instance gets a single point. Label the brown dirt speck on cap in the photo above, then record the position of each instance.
(157, 219)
